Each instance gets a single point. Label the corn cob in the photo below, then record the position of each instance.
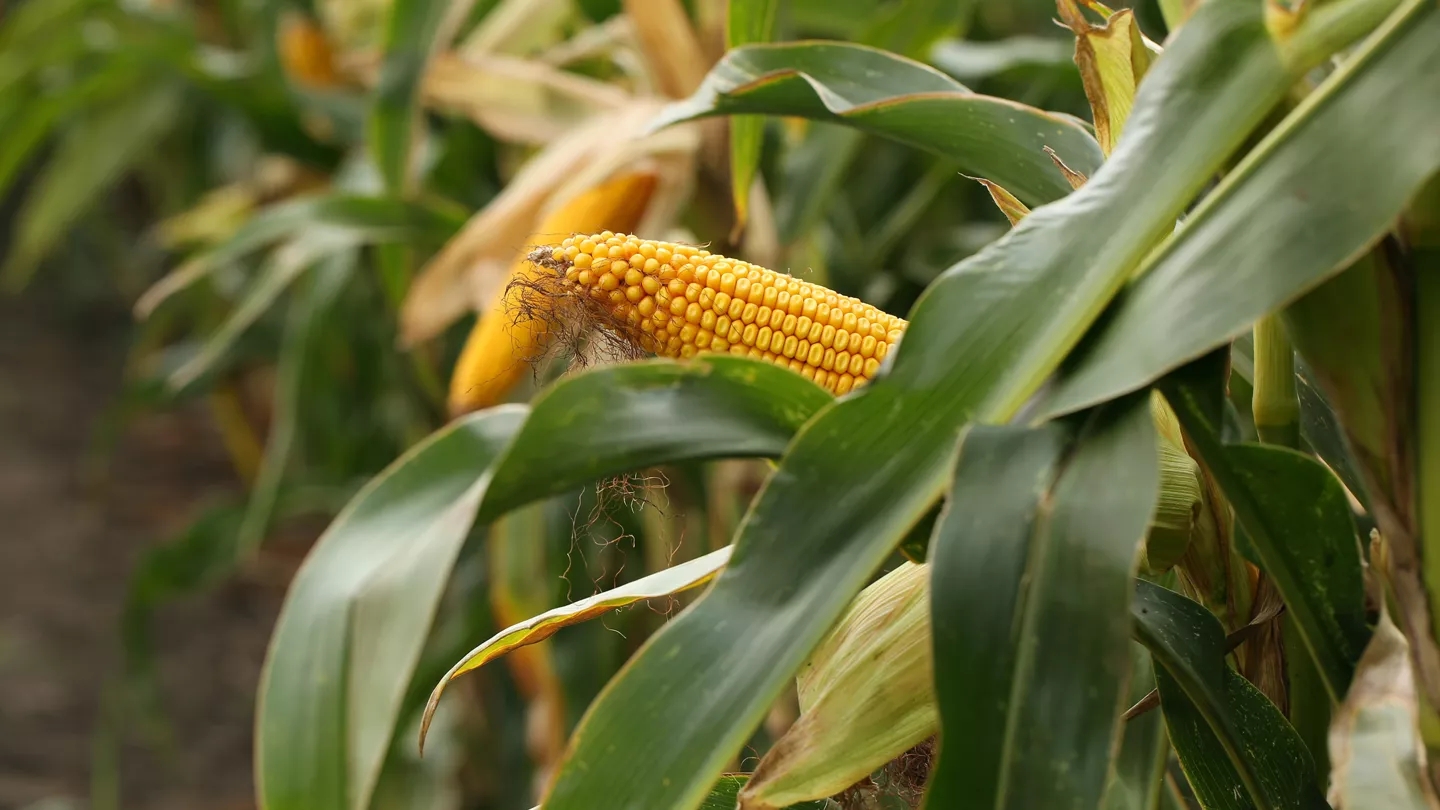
(678, 300)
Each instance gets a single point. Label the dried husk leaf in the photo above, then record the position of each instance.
(1112, 59)
(1375, 746)
(508, 335)
(516, 100)
(866, 697)
(479, 256)
(671, 47)
(1009, 204)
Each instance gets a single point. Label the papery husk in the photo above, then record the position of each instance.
(866, 697)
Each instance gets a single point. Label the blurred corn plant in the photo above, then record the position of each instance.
(1082, 529)
(1132, 510)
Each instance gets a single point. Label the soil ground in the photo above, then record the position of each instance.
(71, 531)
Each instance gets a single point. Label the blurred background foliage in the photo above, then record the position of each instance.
(304, 204)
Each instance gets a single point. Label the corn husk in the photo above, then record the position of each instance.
(1112, 59)
(505, 340)
(465, 273)
(866, 697)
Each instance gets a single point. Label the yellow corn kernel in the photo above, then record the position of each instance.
(716, 304)
(495, 355)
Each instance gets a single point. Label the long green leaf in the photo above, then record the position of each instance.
(39, 117)
(1298, 523)
(1138, 779)
(1317, 191)
(347, 640)
(410, 41)
(619, 419)
(892, 96)
(747, 21)
(316, 748)
(306, 310)
(1031, 575)
(857, 477)
(365, 220)
(87, 163)
(287, 264)
(1231, 739)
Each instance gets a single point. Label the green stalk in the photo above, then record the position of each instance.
(1276, 408)
(1422, 232)
(1275, 405)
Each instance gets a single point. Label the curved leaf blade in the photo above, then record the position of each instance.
(897, 98)
(980, 342)
(372, 220)
(1030, 592)
(1315, 193)
(673, 580)
(355, 598)
(1299, 525)
(86, 164)
(621, 418)
(411, 519)
(1231, 739)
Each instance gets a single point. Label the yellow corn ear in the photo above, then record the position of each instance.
(507, 337)
(678, 301)
(305, 53)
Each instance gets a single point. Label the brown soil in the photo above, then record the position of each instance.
(71, 531)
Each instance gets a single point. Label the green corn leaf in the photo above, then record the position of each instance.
(1298, 523)
(39, 118)
(1031, 573)
(1138, 779)
(371, 220)
(975, 61)
(307, 311)
(287, 264)
(355, 618)
(747, 21)
(981, 341)
(394, 127)
(889, 95)
(85, 165)
(1318, 189)
(353, 621)
(1236, 747)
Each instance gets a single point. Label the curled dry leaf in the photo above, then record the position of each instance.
(673, 580)
(1112, 58)
(1377, 754)
(515, 100)
(672, 49)
(1008, 203)
(464, 273)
